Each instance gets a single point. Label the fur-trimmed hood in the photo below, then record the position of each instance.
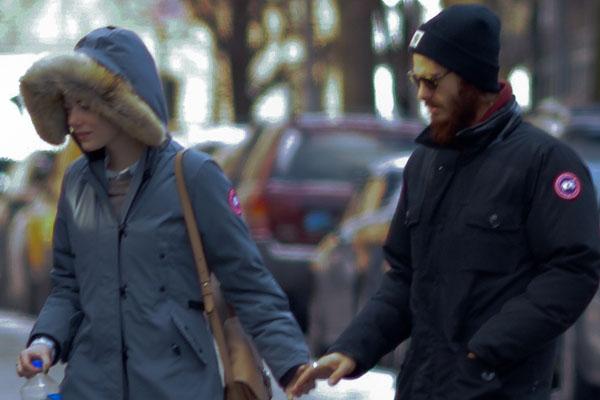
(113, 73)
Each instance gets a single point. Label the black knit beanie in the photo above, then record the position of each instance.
(465, 39)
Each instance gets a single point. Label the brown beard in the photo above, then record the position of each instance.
(463, 109)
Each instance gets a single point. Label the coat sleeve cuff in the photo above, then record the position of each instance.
(48, 341)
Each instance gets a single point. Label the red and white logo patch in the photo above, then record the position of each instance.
(567, 186)
(234, 202)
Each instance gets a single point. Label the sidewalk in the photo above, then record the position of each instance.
(15, 327)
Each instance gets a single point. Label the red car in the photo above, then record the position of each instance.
(295, 183)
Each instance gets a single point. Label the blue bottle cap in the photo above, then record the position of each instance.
(39, 364)
(54, 396)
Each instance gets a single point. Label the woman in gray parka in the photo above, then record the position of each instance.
(125, 312)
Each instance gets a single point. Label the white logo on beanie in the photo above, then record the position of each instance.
(414, 42)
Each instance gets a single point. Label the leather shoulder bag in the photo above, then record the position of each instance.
(244, 374)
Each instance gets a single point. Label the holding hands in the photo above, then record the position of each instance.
(332, 367)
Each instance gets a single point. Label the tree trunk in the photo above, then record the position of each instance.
(239, 55)
(355, 54)
(596, 64)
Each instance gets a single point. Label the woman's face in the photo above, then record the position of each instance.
(89, 129)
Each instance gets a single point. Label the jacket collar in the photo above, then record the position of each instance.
(150, 154)
(480, 135)
(505, 95)
(95, 174)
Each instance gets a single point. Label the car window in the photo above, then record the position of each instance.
(339, 156)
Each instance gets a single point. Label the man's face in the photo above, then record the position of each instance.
(438, 97)
(451, 102)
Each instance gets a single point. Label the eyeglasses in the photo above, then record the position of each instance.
(430, 83)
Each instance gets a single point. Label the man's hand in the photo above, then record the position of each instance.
(332, 367)
(34, 352)
(299, 371)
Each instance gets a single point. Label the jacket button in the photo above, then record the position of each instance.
(162, 289)
(441, 168)
(122, 231)
(162, 256)
(494, 220)
(176, 350)
(488, 376)
(123, 291)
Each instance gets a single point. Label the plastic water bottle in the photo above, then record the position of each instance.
(40, 386)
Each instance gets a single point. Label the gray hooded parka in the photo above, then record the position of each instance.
(126, 307)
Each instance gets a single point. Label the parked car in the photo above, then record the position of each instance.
(295, 182)
(350, 262)
(232, 159)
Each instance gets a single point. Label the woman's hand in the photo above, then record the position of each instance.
(34, 352)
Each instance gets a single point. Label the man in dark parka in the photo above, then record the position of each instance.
(494, 246)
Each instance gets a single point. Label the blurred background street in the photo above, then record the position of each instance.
(305, 106)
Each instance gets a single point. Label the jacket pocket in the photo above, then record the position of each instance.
(496, 219)
(475, 381)
(194, 333)
(493, 240)
(76, 331)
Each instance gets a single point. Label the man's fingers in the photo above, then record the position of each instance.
(333, 367)
(343, 369)
(323, 371)
(299, 390)
(309, 375)
(293, 384)
(304, 388)
(306, 381)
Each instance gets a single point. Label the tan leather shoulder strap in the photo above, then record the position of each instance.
(216, 324)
